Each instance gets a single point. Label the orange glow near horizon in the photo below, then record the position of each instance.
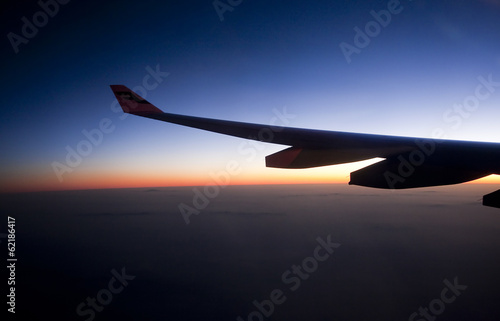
(105, 179)
(117, 180)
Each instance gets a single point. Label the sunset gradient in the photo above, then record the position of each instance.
(411, 76)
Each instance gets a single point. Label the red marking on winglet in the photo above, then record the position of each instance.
(132, 103)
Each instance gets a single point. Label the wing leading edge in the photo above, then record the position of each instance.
(408, 162)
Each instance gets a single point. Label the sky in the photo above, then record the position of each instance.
(402, 68)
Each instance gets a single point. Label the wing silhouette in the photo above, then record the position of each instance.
(408, 162)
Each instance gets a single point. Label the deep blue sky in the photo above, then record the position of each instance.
(264, 55)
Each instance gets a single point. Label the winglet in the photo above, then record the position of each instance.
(132, 103)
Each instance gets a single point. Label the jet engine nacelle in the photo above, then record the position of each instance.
(398, 173)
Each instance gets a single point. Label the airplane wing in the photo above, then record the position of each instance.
(408, 162)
